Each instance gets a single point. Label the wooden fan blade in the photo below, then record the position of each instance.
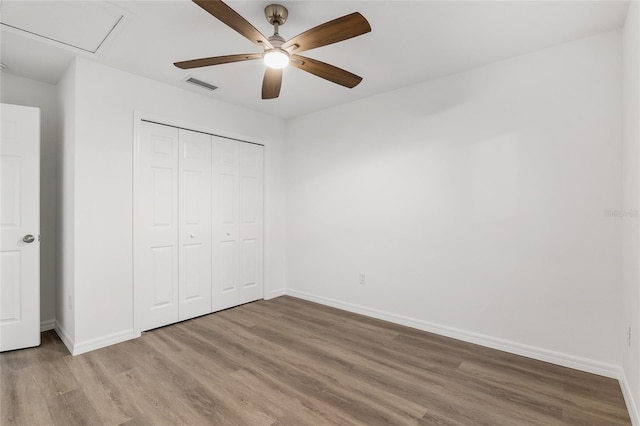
(216, 60)
(326, 71)
(233, 19)
(271, 83)
(330, 32)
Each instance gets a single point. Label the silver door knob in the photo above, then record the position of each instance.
(28, 238)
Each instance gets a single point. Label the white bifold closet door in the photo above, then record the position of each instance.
(172, 271)
(198, 244)
(237, 222)
(194, 219)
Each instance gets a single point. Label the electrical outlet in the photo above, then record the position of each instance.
(362, 278)
(629, 336)
(70, 302)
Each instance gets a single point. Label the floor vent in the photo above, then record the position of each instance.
(201, 83)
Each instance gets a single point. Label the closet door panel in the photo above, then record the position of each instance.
(156, 227)
(250, 222)
(195, 224)
(228, 260)
(225, 266)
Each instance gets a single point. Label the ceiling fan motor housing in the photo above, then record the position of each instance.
(276, 40)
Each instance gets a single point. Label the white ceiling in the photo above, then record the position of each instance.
(411, 41)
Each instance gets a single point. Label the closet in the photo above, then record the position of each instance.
(198, 224)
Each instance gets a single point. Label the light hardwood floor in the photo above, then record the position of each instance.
(291, 362)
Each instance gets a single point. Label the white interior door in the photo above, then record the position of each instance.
(195, 224)
(237, 222)
(156, 251)
(20, 227)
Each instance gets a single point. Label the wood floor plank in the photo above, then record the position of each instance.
(219, 393)
(158, 404)
(371, 362)
(73, 408)
(292, 362)
(22, 403)
(233, 390)
(542, 390)
(303, 381)
(112, 405)
(362, 390)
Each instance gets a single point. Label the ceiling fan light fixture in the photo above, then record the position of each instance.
(276, 58)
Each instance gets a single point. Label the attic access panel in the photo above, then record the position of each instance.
(84, 25)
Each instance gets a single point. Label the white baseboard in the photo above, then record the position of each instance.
(565, 360)
(64, 336)
(104, 341)
(93, 344)
(47, 325)
(276, 293)
(628, 399)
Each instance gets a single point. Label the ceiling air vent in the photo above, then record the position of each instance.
(200, 83)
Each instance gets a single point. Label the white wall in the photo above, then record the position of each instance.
(65, 325)
(105, 103)
(23, 91)
(630, 207)
(475, 204)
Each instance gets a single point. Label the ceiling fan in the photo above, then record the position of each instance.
(278, 52)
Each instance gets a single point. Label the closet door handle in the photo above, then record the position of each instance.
(28, 238)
